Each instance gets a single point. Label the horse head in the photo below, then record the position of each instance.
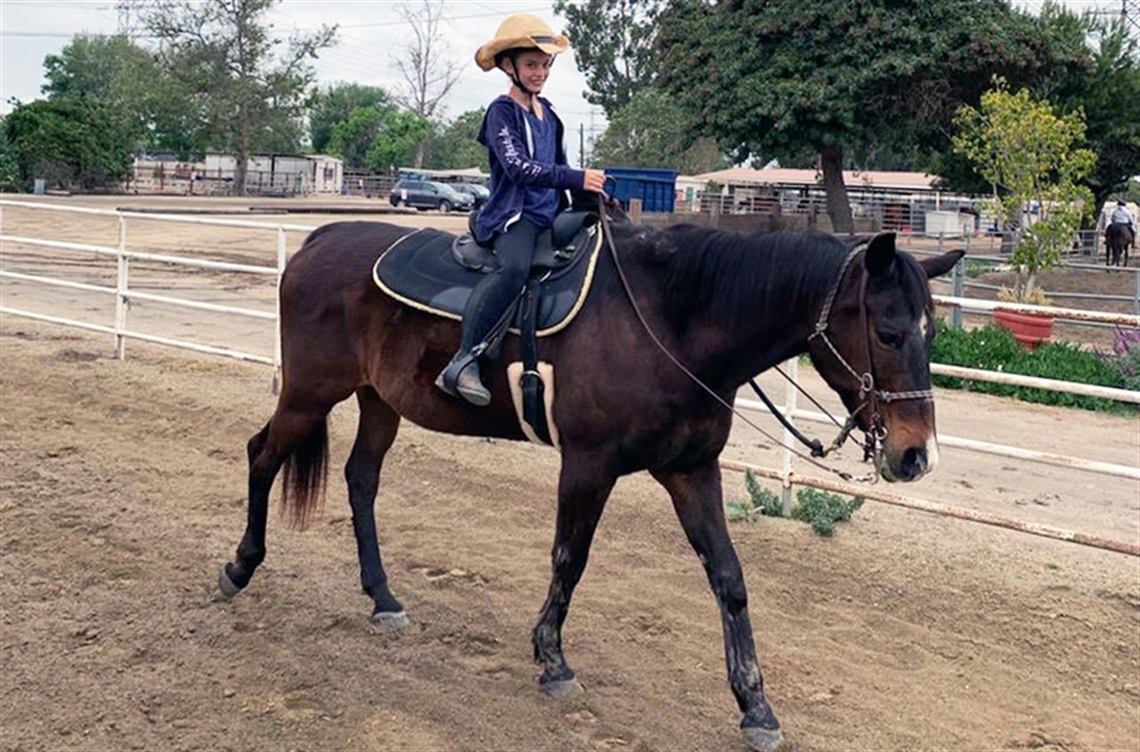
(872, 345)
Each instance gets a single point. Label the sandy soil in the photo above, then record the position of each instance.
(122, 491)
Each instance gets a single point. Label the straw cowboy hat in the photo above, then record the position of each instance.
(520, 31)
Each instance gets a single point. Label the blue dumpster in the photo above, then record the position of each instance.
(655, 188)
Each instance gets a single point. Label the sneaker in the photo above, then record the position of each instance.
(471, 388)
(468, 385)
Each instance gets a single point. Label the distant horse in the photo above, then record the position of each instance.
(1118, 238)
(728, 306)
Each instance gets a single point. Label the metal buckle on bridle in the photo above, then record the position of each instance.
(866, 384)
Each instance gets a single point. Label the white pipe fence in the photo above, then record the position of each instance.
(1068, 314)
(124, 294)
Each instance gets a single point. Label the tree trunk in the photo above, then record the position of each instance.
(418, 157)
(838, 206)
(242, 155)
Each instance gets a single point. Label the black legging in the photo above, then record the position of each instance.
(498, 289)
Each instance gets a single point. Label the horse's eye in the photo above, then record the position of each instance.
(893, 340)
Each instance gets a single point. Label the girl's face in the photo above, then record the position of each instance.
(533, 67)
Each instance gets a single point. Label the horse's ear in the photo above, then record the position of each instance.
(880, 254)
(939, 265)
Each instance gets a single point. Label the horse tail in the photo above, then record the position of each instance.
(306, 474)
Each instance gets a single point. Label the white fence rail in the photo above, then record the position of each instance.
(1068, 314)
(124, 294)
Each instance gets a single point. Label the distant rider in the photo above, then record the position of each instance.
(1121, 216)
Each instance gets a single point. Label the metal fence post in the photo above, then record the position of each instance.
(959, 281)
(122, 302)
(792, 367)
(281, 258)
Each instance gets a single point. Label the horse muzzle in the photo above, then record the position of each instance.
(909, 462)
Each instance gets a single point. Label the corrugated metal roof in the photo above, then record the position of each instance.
(853, 179)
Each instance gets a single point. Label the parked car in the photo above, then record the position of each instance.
(478, 192)
(425, 194)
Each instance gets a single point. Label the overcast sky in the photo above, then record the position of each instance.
(370, 32)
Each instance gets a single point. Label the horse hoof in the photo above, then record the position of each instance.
(226, 585)
(390, 620)
(762, 739)
(562, 688)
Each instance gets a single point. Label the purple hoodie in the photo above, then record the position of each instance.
(506, 134)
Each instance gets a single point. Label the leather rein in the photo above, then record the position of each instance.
(871, 397)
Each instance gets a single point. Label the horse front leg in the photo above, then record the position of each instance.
(582, 493)
(697, 499)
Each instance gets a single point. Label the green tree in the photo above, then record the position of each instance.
(9, 164)
(651, 131)
(1086, 64)
(65, 142)
(331, 106)
(1030, 157)
(246, 88)
(1109, 98)
(455, 145)
(112, 73)
(613, 44)
(838, 79)
(400, 133)
(352, 137)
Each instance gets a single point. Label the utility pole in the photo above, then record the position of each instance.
(582, 145)
(126, 25)
(1130, 13)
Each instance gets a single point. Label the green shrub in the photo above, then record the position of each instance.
(761, 502)
(818, 508)
(976, 267)
(823, 509)
(993, 348)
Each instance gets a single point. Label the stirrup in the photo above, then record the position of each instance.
(461, 379)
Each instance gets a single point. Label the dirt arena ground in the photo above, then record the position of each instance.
(122, 491)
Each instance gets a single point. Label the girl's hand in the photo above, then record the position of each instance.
(594, 181)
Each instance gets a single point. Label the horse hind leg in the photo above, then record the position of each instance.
(375, 433)
(296, 434)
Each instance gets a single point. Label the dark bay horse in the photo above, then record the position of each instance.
(728, 306)
(1118, 238)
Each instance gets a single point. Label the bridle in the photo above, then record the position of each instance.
(870, 395)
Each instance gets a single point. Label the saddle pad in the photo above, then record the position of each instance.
(419, 270)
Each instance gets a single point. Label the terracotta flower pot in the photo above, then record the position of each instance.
(1029, 329)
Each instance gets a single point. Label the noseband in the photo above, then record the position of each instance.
(870, 395)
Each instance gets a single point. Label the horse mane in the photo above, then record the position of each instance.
(733, 276)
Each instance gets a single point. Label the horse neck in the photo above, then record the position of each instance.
(769, 298)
